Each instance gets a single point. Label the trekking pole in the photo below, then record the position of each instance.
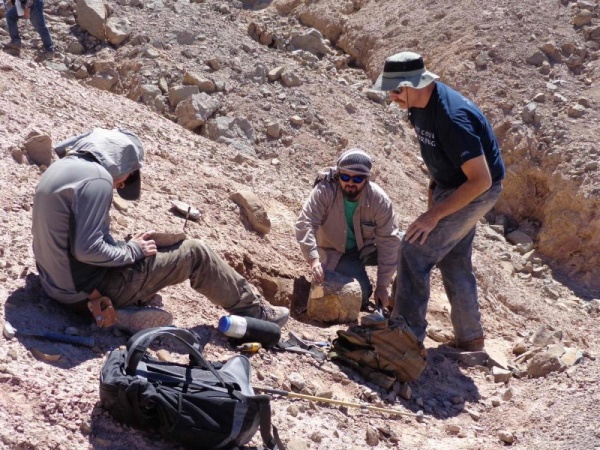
(419, 416)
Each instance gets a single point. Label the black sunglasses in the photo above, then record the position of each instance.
(398, 90)
(356, 179)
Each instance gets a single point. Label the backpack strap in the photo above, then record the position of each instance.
(299, 345)
(177, 379)
(139, 343)
(271, 440)
(327, 174)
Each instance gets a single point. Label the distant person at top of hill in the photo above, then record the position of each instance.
(81, 265)
(347, 223)
(465, 180)
(32, 10)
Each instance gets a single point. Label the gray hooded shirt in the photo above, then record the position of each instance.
(72, 244)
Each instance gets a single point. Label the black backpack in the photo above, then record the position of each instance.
(196, 404)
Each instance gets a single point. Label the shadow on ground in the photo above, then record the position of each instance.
(442, 387)
(31, 312)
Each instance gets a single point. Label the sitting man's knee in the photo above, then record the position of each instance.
(195, 246)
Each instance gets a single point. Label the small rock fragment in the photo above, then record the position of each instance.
(372, 437)
(501, 375)
(185, 209)
(506, 436)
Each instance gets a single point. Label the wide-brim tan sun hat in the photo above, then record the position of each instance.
(404, 69)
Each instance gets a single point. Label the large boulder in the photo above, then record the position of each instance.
(38, 148)
(226, 129)
(196, 110)
(337, 300)
(312, 41)
(117, 30)
(103, 81)
(253, 211)
(195, 79)
(290, 79)
(91, 17)
(178, 94)
(544, 363)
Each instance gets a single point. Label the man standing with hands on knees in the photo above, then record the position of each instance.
(348, 223)
(466, 171)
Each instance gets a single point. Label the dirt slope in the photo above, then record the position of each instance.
(54, 405)
(483, 51)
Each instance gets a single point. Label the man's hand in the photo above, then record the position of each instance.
(27, 13)
(316, 270)
(147, 246)
(420, 228)
(382, 296)
(478, 181)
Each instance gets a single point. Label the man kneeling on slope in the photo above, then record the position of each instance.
(347, 223)
(79, 261)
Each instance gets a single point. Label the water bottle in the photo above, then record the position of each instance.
(249, 329)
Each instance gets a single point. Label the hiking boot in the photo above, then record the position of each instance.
(365, 307)
(13, 45)
(48, 53)
(476, 345)
(134, 319)
(275, 314)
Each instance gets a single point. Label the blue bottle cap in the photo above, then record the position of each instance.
(224, 324)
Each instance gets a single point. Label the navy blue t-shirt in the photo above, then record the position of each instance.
(451, 131)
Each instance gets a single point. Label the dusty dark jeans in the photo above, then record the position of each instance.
(351, 265)
(190, 260)
(450, 246)
(37, 20)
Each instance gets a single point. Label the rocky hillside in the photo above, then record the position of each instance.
(251, 95)
(534, 70)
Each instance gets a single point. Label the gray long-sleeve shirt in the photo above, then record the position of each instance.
(71, 240)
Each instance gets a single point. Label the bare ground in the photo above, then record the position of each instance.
(48, 404)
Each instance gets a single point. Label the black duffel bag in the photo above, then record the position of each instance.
(195, 404)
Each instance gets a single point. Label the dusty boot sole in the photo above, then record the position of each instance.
(476, 345)
(132, 320)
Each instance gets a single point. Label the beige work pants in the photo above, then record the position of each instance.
(189, 260)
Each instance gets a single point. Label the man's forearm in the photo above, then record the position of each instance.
(478, 181)
(432, 186)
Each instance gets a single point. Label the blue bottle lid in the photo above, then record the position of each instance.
(224, 324)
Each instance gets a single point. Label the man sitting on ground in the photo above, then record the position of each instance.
(80, 263)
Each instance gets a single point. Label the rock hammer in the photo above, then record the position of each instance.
(10, 332)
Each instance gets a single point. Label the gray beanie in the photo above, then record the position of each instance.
(355, 160)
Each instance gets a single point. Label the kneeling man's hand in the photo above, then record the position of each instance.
(382, 296)
(316, 270)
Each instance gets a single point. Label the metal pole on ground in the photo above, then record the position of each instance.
(419, 416)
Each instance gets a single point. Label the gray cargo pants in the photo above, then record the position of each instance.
(190, 260)
(449, 246)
